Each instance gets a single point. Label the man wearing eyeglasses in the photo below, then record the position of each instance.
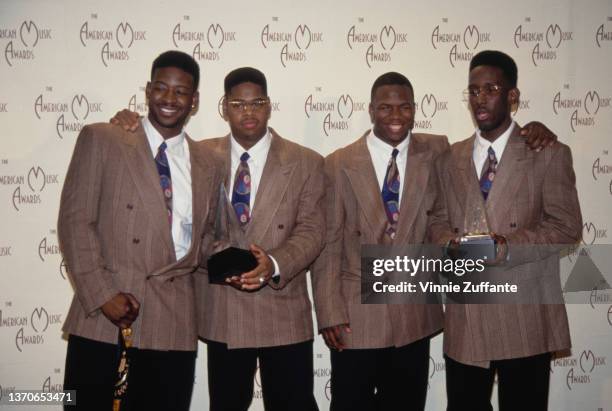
(274, 203)
(274, 192)
(526, 202)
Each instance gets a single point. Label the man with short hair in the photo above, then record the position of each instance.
(378, 191)
(264, 315)
(526, 201)
(135, 210)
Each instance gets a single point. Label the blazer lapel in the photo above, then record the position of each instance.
(201, 178)
(235, 233)
(463, 173)
(272, 187)
(362, 178)
(415, 183)
(508, 177)
(141, 165)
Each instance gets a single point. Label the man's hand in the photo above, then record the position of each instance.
(538, 136)
(501, 250)
(126, 119)
(452, 248)
(257, 277)
(121, 310)
(333, 336)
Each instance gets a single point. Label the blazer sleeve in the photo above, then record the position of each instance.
(329, 302)
(305, 242)
(78, 223)
(561, 221)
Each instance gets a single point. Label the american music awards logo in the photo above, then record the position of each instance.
(293, 41)
(70, 115)
(377, 43)
(583, 367)
(206, 44)
(460, 41)
(543, 43)
(114, 40)
(31, 325)
(583, 108)
(29, 186)
(333, 112)
(23, 41)
(427, 108)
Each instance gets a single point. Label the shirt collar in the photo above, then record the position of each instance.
(258, 152)
(155, 138)
(498, 145)
(385, 148)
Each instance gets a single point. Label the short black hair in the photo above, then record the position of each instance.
(245, 75)
(180, 60)
(500, 60)
(391, 78)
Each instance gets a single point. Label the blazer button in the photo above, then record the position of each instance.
(129, 206)
(281, 226)
(513, 225)
(136, 240)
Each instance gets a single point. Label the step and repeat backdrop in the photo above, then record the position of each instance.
(70, 63)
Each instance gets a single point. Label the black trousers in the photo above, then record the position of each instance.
(286, 373)
(157, 380)
(384, 379)
(522, 384)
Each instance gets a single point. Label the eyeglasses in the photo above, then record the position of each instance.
(487, 90)
(241, 105)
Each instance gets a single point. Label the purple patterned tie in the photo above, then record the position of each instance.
(241, 195)
(161, 161)
(390, 194)
(486, 180)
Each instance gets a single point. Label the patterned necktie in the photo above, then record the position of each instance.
(486, 180)
(241, 195)
(390, 194)
(161, 161)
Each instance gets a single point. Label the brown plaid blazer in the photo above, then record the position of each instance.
(533, 201)
(356, 216)
(288, 222)
(115, 236)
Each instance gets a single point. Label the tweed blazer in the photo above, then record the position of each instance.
(115, 236)
(288, 222)
(356, 217)
(533, 201)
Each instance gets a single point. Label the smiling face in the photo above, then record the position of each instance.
(171, 98)
(247, 110)
(392, 113)
(492, 106)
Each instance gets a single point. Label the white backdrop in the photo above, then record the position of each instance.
(65, 64)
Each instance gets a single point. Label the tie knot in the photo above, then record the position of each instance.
(245, 156)
(491, 152)
(394, 153)
(162, 147)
